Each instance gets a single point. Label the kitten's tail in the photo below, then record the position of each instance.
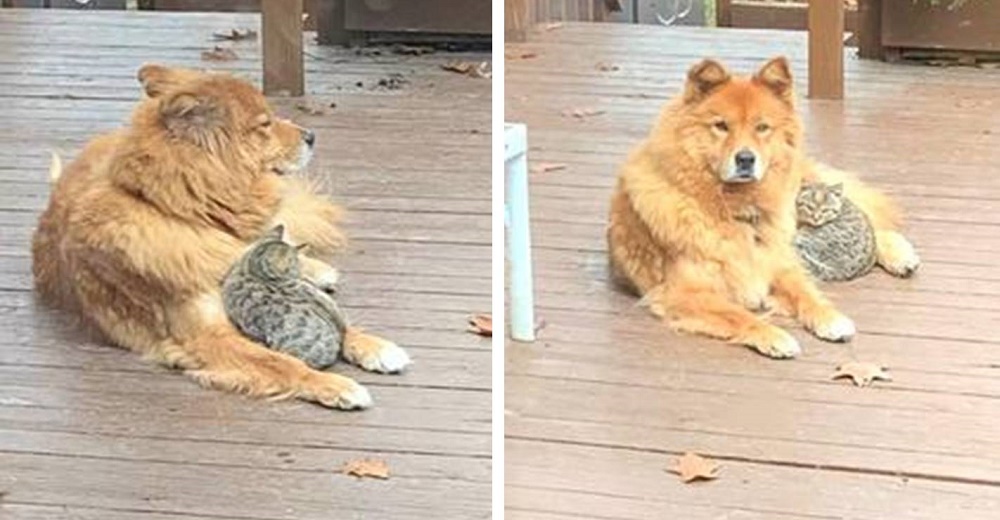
(55, 168)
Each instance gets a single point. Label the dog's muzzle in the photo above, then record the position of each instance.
(743, 166)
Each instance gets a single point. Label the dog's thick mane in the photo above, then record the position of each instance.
(210, 184)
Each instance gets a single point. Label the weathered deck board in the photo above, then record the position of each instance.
(93, 432)
(607, 396)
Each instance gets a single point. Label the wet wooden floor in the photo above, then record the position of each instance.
(92, 432)
(608, 396)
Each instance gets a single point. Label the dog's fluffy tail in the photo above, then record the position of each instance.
(883, 213)
(55, 169)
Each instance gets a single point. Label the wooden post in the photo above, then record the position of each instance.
(331, 22)
(723, 13)
(826, 49)
(281, 36)
(515, 14)
(870, 29)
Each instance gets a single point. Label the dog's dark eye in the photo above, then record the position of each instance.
(721, 126)
(266, 123)
(763, 127)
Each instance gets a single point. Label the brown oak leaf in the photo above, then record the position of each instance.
(475, 70)
(523, 55)
(219, 54)
(235, 35)
(863, 374)
(481, 324)
(582, 113)
(361, 468)
(311, 108)
(546, 167)
(692, 466)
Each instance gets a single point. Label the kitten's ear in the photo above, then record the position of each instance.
(276, 233)
(837, 188)
(703, 78)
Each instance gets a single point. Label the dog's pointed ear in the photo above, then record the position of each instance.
(157, 80)
(703, 78)
(154, 79)
(191, 117)
(777, 77)
(837, 189)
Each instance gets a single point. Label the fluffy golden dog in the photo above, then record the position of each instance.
(729, 147)
(143, 225)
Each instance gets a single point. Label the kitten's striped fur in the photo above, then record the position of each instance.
(835, 240)
(266, 297)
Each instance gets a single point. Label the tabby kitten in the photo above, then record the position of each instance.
(266, 297)
(835, 240)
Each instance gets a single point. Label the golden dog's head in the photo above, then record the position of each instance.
(221, 117)
(741, 125)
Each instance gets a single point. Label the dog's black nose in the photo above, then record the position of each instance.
(745, 159)
(309, 137)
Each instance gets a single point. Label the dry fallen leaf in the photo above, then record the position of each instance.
(546, 167)
(219, 54)
(362, 468)
(863, 374)
(607, 67)
(692, 466)
(524, 55)
(311, 108)
(411, 50)
(235, 35)
(476, 70)
(582, 113)
(481, 324)
(968, 61)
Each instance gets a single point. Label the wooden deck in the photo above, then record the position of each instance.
(92, 432)
(601, 404)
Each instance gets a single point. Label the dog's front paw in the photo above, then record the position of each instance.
(336, 391)
(896, 254)
(773, 342)
(833, 326)
(327, 280)
(373, 353)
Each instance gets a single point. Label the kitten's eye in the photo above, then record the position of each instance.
(763, 127)
(721, 126)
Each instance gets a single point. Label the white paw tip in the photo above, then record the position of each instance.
(390, 358)
(785, 346)
(328, 278)
(356, 398)
(840, 329)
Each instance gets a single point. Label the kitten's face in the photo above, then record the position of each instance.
(273, 258)
(818, 204)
